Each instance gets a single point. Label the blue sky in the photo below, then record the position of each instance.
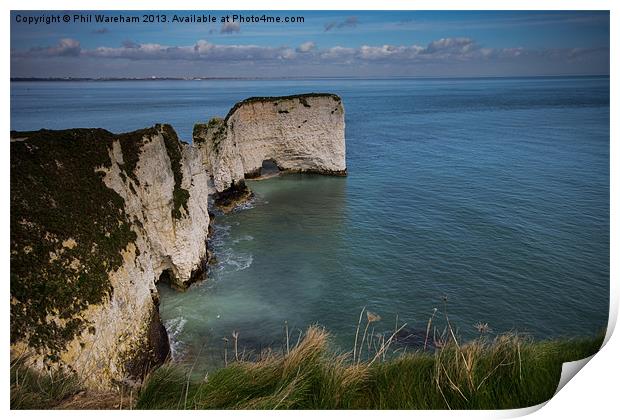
(327, 43)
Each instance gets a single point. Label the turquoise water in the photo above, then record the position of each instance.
(491, 192)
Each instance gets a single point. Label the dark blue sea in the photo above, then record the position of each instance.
(487, 199)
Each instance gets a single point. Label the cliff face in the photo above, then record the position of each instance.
(301, 133)
(96, 218)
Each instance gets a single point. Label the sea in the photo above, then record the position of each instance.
(482, 202)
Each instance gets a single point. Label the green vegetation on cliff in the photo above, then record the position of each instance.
(131, 152)
(68, 229)
(217, 127)
(275, 99)
(173, 146)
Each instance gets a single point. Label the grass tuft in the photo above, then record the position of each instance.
(32, 390)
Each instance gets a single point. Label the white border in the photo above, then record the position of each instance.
(592, 394)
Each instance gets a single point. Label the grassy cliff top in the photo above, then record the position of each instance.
(301, 97)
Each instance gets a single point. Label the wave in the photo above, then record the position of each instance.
(174, 327)
(230, 261)
(246, 205)
(219, 235)
(243, 238)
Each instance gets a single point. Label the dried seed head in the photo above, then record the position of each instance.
(372, 317)
(483, 328)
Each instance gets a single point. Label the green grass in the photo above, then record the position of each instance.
(508, 371)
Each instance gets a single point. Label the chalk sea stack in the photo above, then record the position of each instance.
(299, 133)
(98, 219)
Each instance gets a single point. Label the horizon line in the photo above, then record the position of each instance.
(199, 78)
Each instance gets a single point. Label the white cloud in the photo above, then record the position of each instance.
(390, 52)
(201, 50)
(230, 27)
(66, 47)
(462, 45)
(337, 52)
(444, 50)
(306, 47)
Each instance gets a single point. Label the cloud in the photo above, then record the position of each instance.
(444, 51)
(230, 27)
(66, 47)
(349, 22)
(130, 44)
(101, 31)
(389, 52)
(337, 52)
(201, 50)
(452, 45)
(204, 50)
(306, 47)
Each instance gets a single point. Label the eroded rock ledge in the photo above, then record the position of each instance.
(97, 219)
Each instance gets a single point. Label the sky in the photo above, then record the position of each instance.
(325, 44)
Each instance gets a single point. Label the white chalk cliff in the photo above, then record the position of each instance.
(300, 133)
(163, 187)
(175, 245)
(97, 219)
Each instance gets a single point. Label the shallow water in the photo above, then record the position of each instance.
(491, 192)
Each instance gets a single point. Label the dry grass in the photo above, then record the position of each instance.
(90, 400)
(507, 371)
(32, 389)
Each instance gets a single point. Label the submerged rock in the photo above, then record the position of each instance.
(227, 200)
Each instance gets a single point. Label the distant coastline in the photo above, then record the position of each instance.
(133, 79)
